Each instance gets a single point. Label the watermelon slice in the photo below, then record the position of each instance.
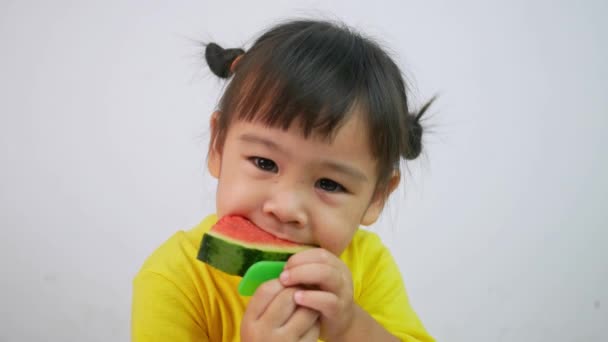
(234, 243)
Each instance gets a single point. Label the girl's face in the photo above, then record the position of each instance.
(306, 190)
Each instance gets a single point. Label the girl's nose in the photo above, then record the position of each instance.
(287, 207)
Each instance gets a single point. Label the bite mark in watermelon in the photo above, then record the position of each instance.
(234, 243)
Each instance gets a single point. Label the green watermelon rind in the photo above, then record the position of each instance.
(233, 258)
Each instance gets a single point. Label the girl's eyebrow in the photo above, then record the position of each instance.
(254, 139)
(337, 167)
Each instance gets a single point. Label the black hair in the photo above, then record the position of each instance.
(319, 73)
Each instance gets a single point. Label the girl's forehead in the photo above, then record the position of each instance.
(351, 138)
(321, 125)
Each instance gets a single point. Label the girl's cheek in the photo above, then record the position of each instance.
(335, 228)
(238, 198)
(332, 241)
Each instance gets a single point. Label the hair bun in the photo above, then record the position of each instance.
(220, 59)
(414, 138)
(415, 131)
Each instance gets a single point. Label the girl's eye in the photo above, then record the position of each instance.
(264, 164)
(329, 185)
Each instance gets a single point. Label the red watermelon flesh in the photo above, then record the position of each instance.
(234, 244)
(239, 230)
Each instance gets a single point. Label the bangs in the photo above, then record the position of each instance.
(313, 78)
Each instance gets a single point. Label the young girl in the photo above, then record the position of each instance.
(306, 143)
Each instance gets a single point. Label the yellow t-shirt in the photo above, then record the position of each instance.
(176, 297)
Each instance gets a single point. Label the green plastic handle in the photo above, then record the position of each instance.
(258, 273)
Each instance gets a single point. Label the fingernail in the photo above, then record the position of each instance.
(297, 297)
(284, 276)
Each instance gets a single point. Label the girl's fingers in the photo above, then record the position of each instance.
(310, 256)
(312, 335)
(262, 297)
(280, 309)
(327, 303)
(301, 321)
(324, 276)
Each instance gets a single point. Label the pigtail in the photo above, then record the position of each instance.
(414, 132)
(221, 60)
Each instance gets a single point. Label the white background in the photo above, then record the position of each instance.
(500, 230)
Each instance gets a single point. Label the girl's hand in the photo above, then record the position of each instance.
(329, 289)
(272, 315)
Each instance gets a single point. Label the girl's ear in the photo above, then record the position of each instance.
(214, 159)
(375, 207)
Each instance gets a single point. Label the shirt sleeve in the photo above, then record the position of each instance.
(161, 311)
(384, 297)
